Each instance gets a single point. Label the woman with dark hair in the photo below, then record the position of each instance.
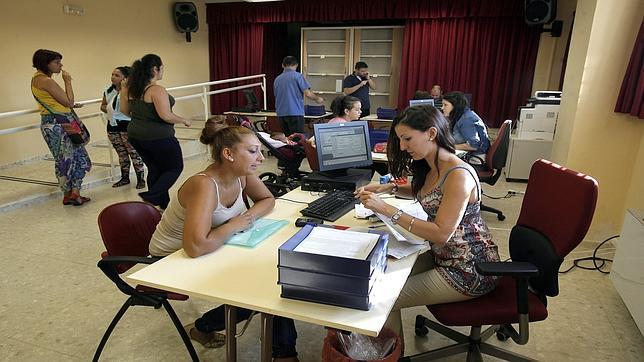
(151, 129)
(468, 129)
(449, 192)
(117, 130)
(71, 161)
(345, 109)
(208, 209)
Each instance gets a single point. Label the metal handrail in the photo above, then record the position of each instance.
(203, 95)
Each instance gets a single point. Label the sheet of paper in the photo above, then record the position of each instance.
(400, 233)
(341, 243)
(401, 249)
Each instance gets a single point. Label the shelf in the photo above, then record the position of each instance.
(327, 74)
(327, 92)
(375, 56)
(322, 56)
(326, 41)
(378, 94)
(376, 41)
(380, 75)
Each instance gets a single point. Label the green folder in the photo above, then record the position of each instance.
(260, 230)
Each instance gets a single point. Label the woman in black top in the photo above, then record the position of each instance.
(151, 130)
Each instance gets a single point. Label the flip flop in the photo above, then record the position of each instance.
(213, 340)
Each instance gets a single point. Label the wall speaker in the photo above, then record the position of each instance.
(540, 11)
(185, 18)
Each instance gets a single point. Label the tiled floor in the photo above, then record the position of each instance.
(56, 304)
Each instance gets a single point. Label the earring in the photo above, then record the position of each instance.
(231, 159)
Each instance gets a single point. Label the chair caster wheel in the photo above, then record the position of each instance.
(420, 329)
(501, 217)
(502, 336)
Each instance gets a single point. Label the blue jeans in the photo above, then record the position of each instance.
(165, 163)
(284, 333)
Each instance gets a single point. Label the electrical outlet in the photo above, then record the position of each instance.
(76, 10)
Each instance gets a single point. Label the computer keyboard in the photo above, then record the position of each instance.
(331, 206)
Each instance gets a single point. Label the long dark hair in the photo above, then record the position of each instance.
(460, 103)
(420, 118)
(341, 103)
(125, 70)
(142, 74)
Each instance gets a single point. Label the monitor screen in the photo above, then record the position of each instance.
(421, 102)
(251, 99)
(342, 145)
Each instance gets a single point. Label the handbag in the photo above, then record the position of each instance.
(386, 113)
(73, 126)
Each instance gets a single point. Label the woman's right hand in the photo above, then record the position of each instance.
(376, 188)
(66, 76)
(241, 222)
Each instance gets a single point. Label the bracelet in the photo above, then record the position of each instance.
(411, 223)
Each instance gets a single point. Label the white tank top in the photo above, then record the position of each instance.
(168, 236)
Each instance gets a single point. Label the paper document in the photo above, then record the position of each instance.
(399, 233)
(401, 249)
(340, 243)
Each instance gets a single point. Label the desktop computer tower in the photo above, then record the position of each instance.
(321, 182)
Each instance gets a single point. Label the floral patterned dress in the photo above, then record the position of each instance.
(470, 243)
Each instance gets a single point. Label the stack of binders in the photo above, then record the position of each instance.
(331, 279)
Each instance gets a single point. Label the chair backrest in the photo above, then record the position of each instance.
(312, 156)
(127, 227)
(556, 213)
(498, 152)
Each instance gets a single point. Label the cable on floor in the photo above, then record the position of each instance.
(576, 263)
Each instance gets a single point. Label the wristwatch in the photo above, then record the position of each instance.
(396, 216)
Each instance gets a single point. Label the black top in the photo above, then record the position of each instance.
(362, 93)
(146, 125)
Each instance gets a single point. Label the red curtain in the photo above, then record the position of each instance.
(491, 58)
(235, 51)
(631, 95)
(274, 52)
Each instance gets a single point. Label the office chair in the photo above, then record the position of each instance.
(490, 169)
(289, 159)
(126, 229)
(312, 156)
(555, 215)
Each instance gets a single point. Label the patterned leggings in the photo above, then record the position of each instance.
(125, 151)
(71, 162)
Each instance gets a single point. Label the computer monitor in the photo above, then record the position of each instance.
(341, 146)
(251, 100)
(421, 102)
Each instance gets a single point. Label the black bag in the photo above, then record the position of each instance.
(386, 113)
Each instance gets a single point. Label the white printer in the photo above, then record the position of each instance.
(534, 133)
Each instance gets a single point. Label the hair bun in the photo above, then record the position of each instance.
(210, 129)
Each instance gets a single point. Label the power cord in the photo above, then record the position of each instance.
(595, 259)
(295, 201)
(506, 196)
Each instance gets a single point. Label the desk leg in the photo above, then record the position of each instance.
(267, 337)
(231, 330)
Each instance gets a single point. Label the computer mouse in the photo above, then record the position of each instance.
(301, 221)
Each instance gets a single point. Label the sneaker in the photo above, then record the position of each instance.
(122, 182)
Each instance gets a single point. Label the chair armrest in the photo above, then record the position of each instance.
(260, 125)
(110, 267)
(512, 269)
(115, 260)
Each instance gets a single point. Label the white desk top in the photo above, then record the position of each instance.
(247, 278)
(373, 117)
(273, 114)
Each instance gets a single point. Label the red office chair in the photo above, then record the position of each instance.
(311, 156)
(555, 215)
(126, 229)
(490, 170)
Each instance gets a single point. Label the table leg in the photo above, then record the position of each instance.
(231, 330)
(267, 337)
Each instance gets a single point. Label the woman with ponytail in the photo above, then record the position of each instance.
(345, 109)
(151, 129)
(117, 130)
(208, 209)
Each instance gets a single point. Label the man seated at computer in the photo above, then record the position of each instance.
(450, 193)
(208, 209)
(468, 129)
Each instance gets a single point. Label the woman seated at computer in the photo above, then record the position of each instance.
(468, 129)
(345, 109)
(450, 193)
(208, 209)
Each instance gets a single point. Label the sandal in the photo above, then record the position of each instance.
(208, 340)
(122, 182)
(75, 199)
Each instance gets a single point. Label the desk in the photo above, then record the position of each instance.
(247, 278)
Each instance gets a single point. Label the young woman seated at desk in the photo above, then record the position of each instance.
(450, 193)
(345, 109)
(467, 128)
(209, 208)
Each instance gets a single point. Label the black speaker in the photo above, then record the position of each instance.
(185, 17)
(540, 11)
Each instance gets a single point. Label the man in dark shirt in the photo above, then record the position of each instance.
(358, 85)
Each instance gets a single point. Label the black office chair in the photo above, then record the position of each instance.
(491, 168)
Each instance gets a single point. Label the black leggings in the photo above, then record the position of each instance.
(165, 163)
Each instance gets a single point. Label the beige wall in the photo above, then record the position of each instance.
(111, 33)
(590, 136)
(551, 51)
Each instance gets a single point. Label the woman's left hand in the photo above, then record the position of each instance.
(371, 201)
